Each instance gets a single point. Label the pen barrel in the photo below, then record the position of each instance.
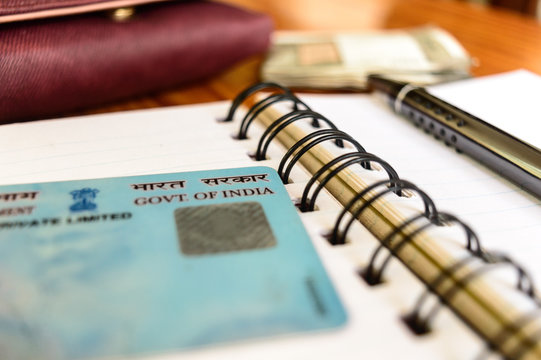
(506, 155)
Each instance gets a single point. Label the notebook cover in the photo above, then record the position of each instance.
(53, 66)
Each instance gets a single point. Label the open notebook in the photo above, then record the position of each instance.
(189, 138)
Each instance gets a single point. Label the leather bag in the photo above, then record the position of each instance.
(66, 55)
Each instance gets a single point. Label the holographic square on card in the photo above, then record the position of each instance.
(156, 264)
(223, 228)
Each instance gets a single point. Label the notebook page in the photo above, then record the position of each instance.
(510, 101)
(188, 138)
(505, 217)
(119, 144)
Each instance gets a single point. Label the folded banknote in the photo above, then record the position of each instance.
(423, 55)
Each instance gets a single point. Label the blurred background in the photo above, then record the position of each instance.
(307, 15)
(499, 35)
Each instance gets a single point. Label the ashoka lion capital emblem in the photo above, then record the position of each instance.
(84, 199)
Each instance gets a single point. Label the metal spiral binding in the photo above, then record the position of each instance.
(246, 93)
(431, 216)
(391, 185)
(507, 332)
(520, 349)
(421, 325)
(260, 106)
(354, 158)
(473, 244)
(524, 284)
(308, 142)
(279, 124)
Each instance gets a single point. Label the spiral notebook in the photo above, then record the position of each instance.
(411, 284)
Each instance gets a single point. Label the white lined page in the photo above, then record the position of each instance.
(188, 138)
(119, 144)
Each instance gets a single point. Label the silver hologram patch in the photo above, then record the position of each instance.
(211, 229)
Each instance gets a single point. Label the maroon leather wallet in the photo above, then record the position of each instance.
(52, 64)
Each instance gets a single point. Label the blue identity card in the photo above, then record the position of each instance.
(154, 264)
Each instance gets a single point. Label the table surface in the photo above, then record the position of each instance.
(498, 40)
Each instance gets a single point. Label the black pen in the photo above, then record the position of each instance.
(503, 153)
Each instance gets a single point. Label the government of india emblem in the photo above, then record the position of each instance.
(84, 199)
